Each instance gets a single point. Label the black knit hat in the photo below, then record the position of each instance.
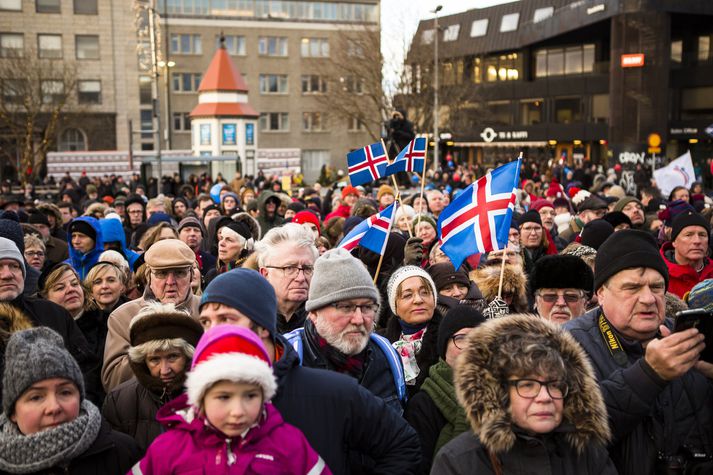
(239, 227)
(131, 199)
(457, 318)
(38, 218)
(685, 219)
(596, 232)
(615, 218)
(531, 216)
(627, 249)
(444, 274)
(561, 272)
(83, 227)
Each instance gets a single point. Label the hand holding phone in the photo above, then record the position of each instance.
(703, 321)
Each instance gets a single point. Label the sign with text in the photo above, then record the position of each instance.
(632, 60)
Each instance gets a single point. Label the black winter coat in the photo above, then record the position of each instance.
(646, 413)
(296, 321)
(339, 417)
(428, 421)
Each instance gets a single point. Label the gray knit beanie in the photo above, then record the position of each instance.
(401, 274)
(9, 250)
(339, 276)
(35, 355)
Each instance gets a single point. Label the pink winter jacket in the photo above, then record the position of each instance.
(190, 446)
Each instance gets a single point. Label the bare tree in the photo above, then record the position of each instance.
(35, 95)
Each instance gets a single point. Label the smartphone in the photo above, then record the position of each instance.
(703, 321)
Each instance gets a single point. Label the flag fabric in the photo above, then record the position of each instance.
(367, 164)
(478, 220)
(372, 233)
(411, 159)
(677, 173)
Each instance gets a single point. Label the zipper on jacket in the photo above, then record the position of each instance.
(231, 455)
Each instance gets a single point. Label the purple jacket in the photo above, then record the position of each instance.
(192, 446)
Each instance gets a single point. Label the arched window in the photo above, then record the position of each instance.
(72, 140)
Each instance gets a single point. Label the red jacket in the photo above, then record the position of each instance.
(683, 278)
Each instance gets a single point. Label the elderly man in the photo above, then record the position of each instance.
(285, 257)
(562, 286)
(170, 267)
(633, 209)
(345, 423)
(686, 255)
(338, 335)
(190, 231)
(436, 202)
(658, 394)
(589, 207)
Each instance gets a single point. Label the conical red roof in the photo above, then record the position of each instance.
(222, 75)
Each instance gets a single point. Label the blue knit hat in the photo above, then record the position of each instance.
(248, 292)
(701, 295)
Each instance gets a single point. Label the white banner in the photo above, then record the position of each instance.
(677, 173)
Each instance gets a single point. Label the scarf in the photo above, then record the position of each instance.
(439, 386)
(351, 365)
(408, 346)
(408, 329)
(60, 445)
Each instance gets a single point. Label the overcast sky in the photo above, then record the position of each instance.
(398, 24)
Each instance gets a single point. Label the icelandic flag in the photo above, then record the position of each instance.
(367, 164)
(478, 220)
(411, 159)
(372, 233)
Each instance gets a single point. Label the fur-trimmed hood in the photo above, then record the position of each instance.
(12, 320)
(483, 395)
(514, 281)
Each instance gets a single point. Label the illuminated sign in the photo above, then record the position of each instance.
(632, 60)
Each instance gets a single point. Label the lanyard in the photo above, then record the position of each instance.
(612, 341)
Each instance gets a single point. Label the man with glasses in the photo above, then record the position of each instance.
(658, 394)
(170, 270)
(338, 333)
(285, 257)
(561, 286)
(134, 205)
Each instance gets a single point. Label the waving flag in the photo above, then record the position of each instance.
(367, 164)
(479, 219)
(372, 233)
(411, 159)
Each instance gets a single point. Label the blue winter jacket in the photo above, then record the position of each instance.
(113, 231)
(83, 262)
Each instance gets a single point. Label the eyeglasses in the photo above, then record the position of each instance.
(367, 310)
(530, 388)
(181, 273)
(531, 229)
(34, 254)
(292, 271)
(459, 341)
(569, 297)
(135, 211)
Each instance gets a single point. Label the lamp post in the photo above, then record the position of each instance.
(436, 156)
(166, 67)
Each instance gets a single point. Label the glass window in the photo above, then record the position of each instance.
(427, 37)
(542, 14)
(234, 44)
(704, 48)
(477, 71)
(509, 22)
(588, 59)
(355, 125)
(12, 45)
(600, 108)
(505, 67)
(313, 122)
(352, 84)
(531, 111)
(13, 5)
(49, 46)
(314, 48)
(146, 124)
(568, 110)
(87, 46)
(313, 84)
(145, 93)
(541, 64)
(13, 90)
(677, 51)
(72, 140)
(52, 91)
(48, 6)
(186, 44)
(273, 84)
(182, 121)
(85, 7)
(272, 46)
(479, 28)
(274, 121)
(186, 82)
(499, 113)
(451, 33)
(89, 92)
(555, 62)
(573, 60)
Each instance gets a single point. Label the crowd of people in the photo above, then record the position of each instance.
(218, 327)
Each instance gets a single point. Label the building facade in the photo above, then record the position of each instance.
(587, 79)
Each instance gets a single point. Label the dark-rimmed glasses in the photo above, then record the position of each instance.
(292, 271)
(530, 388)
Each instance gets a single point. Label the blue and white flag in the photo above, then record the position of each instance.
(411, 159)
(367, 164)
(372, 233)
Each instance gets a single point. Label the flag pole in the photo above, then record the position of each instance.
(386, 241)
(396, 185)
(502, 270)
(423, 181)
(378, 267)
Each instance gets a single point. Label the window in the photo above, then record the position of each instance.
(234, 44)
(564, 61)
(13, 91)
(314, 48)
(72, 140)
(11, 45)
(531, 111)
(49, 46)
(48, 6)
(427, 37)
(355, 125)
(273, 84)
(451, 33)
(542, 14)
(52, 91)
(479, 28)
(89, 92)
(452, 72)
(352, 84)
(313, 122)
(87, 46)
(12, 5)
(313, 84)
(499, 112)
(477, 74)
(600, 108)
(573, 60)
(697, 103)
(145, 92)
(509, 22)
(704, 48)
(505, 67)
(85, 7)
(272, 46)
(274, 121)
(186, 44)
(146, 124)
(182, 121)
(568, 110)
(677, 51)
(186, 82)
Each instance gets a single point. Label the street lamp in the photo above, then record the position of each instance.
(436, 160)
(166, 66)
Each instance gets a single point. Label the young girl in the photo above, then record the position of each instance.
(228, 425)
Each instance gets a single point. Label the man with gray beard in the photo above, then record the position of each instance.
(338, 332)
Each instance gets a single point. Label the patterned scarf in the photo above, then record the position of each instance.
(408, 346)
(351, 365)
(21, 453)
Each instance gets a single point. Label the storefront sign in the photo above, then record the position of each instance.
(489, 134)
(684, 131)
(632, 60)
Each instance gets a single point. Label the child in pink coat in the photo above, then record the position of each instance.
(225, 423)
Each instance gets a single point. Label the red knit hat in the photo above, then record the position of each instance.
(349, 190)
(307, 217)
(539, 204)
